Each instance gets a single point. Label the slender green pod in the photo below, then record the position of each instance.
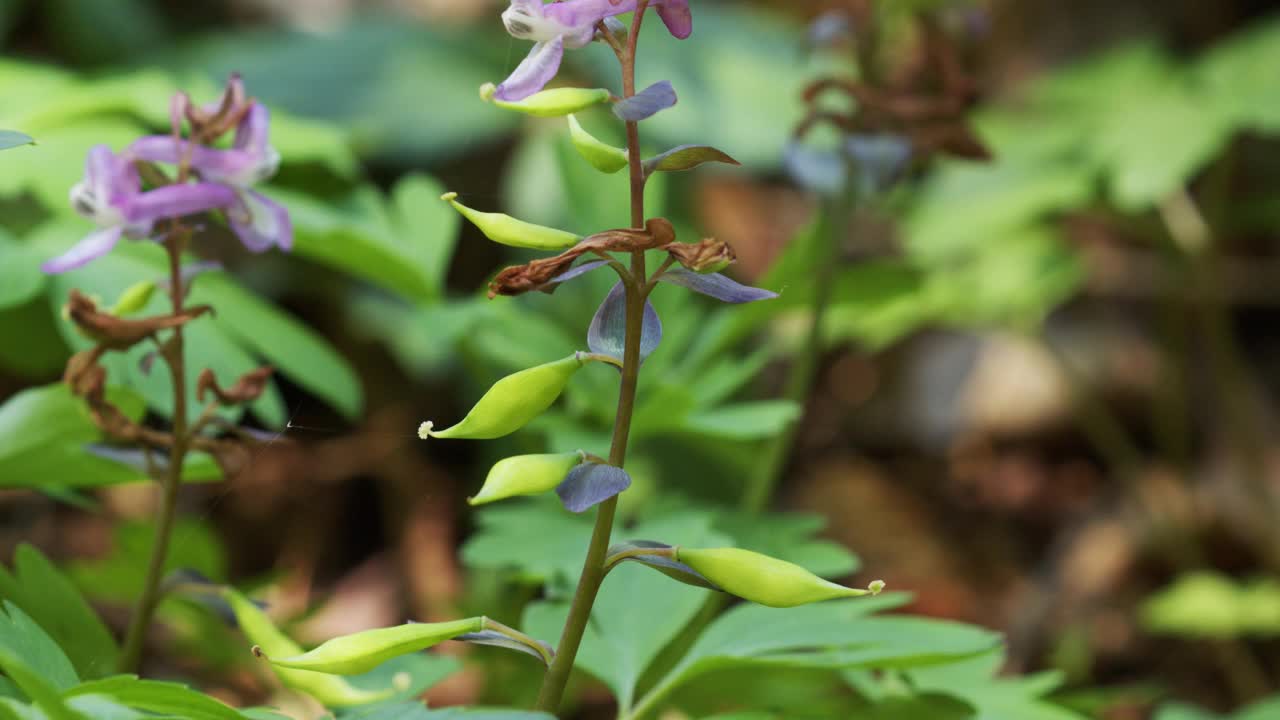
(329, 690)
(526, 475)
(602, 156)
(765, 580)
(361, 652)
(134, 298)
(506, 230)
(556, 102)
(512, 402)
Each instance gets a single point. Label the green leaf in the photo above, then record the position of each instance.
(21, 636)
(995, 698)
(687, 157)
(537, 538)
(379, 63)
(293, 348)
(743, 421)
(21, 278)
(119, 576)
(43, 434)
(1212, 605)
(825, 635)
(52, 601)
(637, 613)
(163, 698)
(1239, 79)
(42, 693)
(13, 138)
(430, 227)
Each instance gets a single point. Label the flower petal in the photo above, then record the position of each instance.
(676, 16)
(239, 167)
(91, 248)
(534, 72)
(253, 130)
(260, 222)
(717, 286)
(171, 201)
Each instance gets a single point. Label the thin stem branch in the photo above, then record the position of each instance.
(835, 225)
(593, 570)
(174, 356)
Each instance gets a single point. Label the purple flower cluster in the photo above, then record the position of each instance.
(111, 193)
(569, 24)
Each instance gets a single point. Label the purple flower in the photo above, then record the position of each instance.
(569, 24)
(258, 221)
(111, 195)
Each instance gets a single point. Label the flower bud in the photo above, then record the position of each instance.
(506, 230)
(134, 298)
(708, 256)
(602, 156)
(526, 475)
(361, 652)
(556, 102)
(328, 690)
(765, 580)
(511, 403)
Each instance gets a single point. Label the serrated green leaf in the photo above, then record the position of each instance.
(22, 637)
(151, 696)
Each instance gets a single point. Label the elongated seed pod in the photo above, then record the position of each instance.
(762, 579)
(525, 475)
(506, 230)
(556, 102)
(361, 652)
(602, 156)
(329, 690)
(511, 403)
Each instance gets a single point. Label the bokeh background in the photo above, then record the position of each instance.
(1047, 405)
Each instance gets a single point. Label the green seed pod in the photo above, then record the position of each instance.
(329, 690)
(361, 652)
(506, 230)
(602, 156)
(512, 402)
(526, 475)
(134, 298)
(556, 102)
(765, 580)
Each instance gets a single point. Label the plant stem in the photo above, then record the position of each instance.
(835, 225)
(174, 356)
(593, 570)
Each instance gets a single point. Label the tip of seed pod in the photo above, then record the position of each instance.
(876, 587)
(424, 430)
(401, 681)
(487, 91)
(449, 196)
(257, 652)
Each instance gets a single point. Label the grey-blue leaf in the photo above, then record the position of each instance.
(665, 565)
(591, 484)
(717, 286)
(577, 272)
(13, 139)
(829, 29)
(647, 103)
(878, 159)
(494, 638)
(815, 169)
(608, 332)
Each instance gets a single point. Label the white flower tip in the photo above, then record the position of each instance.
(487, 91)
(876, 587)
(401, 681)
(449, 196)
(424, 430)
